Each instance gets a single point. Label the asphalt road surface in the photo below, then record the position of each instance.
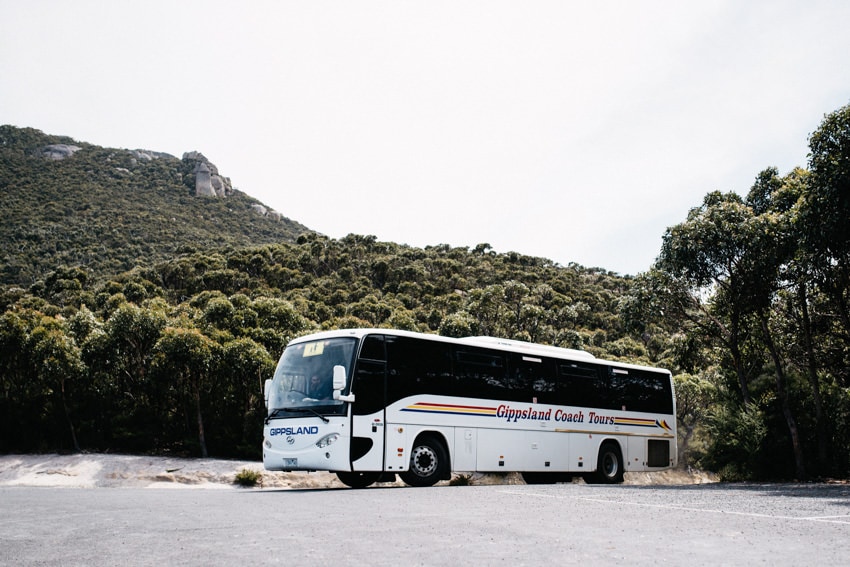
(565, 524)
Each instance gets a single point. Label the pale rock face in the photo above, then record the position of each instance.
(218, 185)
(58, 151)
(147, 155)
(203, 181)
(208, 183)
(266, 212)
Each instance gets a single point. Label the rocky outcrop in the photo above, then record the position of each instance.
(58, 151)
(208, 183)
(203, 181)
(147, 155)
(266, 212)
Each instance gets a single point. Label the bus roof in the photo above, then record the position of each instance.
(531, 348)
(480, 341)
(508, 345)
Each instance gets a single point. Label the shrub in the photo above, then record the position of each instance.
(248, 478)
(461, 480)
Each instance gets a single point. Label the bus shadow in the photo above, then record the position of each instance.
(839, 492)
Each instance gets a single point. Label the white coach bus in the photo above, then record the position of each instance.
(368, 404)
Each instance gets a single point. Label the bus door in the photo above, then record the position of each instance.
(368, 416)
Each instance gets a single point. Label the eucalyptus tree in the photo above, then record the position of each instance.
(784, 199)
(124, 402)
(487, 306)
(39, 358)
(825, 213)
(57, 361)
(21, 397)
(702, 256)
(695, 397)
(772, 245)
(459, 324)
(515, 297)
(189, 357)
(245, 365)
(126, 349)
(732, 252)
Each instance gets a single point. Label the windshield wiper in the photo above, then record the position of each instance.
(278, 411)
(274, 413)
(310, 410)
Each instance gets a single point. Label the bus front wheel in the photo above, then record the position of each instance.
(609, 466)
(358, 479)
(429, 462)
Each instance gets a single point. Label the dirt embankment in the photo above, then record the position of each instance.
(100, 470)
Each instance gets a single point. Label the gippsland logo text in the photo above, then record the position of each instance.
(538, 413)
(311, 430)
(514, 415)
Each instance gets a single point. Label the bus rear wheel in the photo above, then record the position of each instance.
(358, 479)
(609, 465)
(429, 462)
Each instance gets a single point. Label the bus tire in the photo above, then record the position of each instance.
(429, 462)
(609, 465)
(358, 479)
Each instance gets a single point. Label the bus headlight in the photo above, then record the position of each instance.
(327, 440)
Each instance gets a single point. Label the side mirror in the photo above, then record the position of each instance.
(339, 377)
(339, 380)
(267, 388)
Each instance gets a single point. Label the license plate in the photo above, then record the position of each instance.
(290, 463)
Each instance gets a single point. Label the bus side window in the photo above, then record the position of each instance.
(639, 390)
(368, 384)
(534, 377)
(581, 385)
(417, 367)
(482, 373)
(373, 348)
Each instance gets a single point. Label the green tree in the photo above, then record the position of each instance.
(189, 357)
(827, 208)
(736, 434)
(22, 396)
(246, 365)
(695, 398)
(127, 347)
(57, 361)
(460, 324)
(739, 253)
(705, 253)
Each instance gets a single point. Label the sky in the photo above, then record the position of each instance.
(573, 131)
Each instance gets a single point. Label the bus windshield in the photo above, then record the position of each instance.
(304, 375)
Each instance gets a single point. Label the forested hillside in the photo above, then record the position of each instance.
(747, 305)
(141, 360)
(110, 210)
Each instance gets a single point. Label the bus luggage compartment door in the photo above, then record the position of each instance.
(528, 450)
(367, 442)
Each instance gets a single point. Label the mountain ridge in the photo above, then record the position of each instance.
(76, 204)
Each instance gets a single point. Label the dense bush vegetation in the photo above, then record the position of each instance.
(755, 290)
(172, 358)
(747, 305)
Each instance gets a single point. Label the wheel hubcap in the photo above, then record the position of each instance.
(610, 465)
(424, 461)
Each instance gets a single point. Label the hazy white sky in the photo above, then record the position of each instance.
(576, 131)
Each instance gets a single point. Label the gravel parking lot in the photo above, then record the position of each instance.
(517, 524)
